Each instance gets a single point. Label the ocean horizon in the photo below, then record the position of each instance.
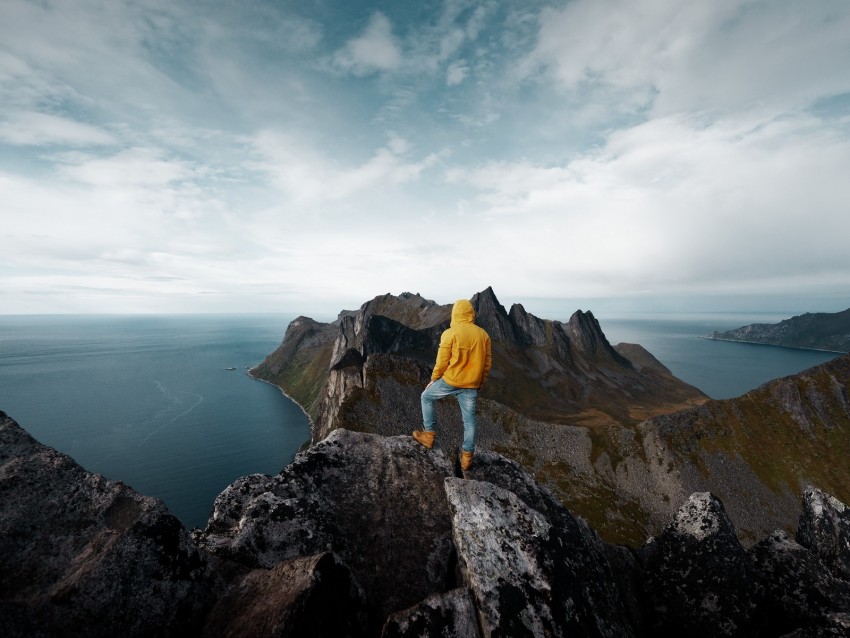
(164, 402)
(160, 402)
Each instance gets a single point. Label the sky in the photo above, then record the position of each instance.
(293, 156)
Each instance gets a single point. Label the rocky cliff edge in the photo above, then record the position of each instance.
(365, 535)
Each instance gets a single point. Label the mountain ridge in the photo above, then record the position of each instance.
(545, 369)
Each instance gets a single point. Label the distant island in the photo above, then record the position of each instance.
(828, 331)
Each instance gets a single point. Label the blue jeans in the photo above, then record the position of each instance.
(466, 398)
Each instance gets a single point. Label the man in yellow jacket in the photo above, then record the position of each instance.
(463, 363)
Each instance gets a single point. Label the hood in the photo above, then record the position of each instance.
(462, 312)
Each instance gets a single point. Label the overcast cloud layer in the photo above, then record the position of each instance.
(191, 156)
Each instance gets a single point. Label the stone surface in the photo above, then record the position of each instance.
(81, 555)
(377, 502)
(312, 596)
(526, 572)
(698, 579)
(629, 579)
(800, 589)
(364, 535)
(825, 529)
(449, 615)
(833, 626)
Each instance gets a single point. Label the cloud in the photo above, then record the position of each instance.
(456, 73)
(675, 56)
(40, 129)
(307, 175)
(376, 49)
(137, 167)
(336, 150)
(672, 204)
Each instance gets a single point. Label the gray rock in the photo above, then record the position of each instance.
(376, 502)
(313, 596)
(384, 325)
(832, 626)
(699, 581)
(628, 577)
(825, 529)
(510, 475)
(586, 554)
(449, 615)
(800, 589)
(525, 572)
(81, 555)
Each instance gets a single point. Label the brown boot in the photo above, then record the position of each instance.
(424, 437)
(465, 460)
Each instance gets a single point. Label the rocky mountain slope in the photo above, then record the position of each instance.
(618, 439)
(818, 331)
(564, 373)
(364, 535)
(756, 452)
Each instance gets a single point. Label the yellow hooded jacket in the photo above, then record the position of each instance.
(463, 359)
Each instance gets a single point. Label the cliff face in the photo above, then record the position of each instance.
(89, 556)
(364, 535)
(300, 364)
(817, 331)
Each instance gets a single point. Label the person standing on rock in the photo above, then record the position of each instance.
(463, 363)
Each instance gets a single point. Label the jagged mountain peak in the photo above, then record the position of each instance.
(492, 316)
(487, 299)
(587, 335)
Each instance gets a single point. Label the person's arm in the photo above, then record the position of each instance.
(444, 354)
(488, 362)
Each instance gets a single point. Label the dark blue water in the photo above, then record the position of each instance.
(149, 401)
(721, 369)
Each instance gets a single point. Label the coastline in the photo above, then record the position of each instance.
(283, 392)
(773, 345)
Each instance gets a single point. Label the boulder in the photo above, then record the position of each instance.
(698, 579)
(377, 502)
(801, 591)
(312, 596)
(81, 555)
(525, 570)
(510, 475)
(825, 529)
(449, 615)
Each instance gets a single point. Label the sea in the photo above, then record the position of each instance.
(162, 403)
(165, 403)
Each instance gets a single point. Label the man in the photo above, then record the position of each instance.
(463, 363)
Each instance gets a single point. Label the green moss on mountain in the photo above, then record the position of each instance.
(301, 364)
